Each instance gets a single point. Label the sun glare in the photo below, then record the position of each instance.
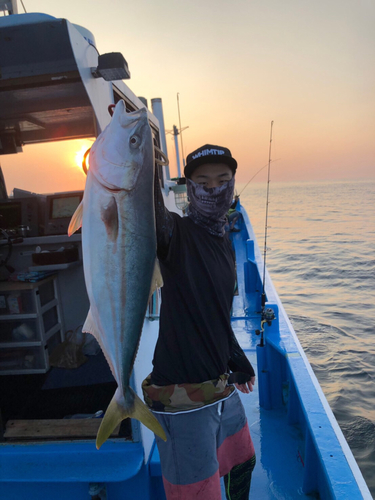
(81, 153)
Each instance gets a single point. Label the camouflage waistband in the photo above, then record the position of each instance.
(185, 397)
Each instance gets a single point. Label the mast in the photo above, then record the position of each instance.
(178, 132)
(181, 129)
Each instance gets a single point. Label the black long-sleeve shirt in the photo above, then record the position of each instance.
(196, 341)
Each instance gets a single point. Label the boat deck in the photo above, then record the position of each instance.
(278, 474)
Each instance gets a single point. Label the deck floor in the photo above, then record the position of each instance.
(278, 473)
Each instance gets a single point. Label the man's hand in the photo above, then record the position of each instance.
(248, 387)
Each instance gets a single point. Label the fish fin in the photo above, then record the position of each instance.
(90, 326)
(116, 413)
(109, 215)
(157, 279)
(76, 220)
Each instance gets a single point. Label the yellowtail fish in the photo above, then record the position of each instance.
(119, 254)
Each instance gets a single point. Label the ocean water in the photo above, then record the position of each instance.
(321, 258)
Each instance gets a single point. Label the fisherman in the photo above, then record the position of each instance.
(190, 390)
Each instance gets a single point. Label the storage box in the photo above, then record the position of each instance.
(15, 303)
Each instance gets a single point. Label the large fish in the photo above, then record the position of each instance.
(119, 253)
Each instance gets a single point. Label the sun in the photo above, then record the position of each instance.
(79, 155)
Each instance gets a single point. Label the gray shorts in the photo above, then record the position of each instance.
(202, 446)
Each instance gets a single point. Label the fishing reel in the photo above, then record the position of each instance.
(268, 316)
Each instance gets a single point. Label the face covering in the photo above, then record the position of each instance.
(208, 206)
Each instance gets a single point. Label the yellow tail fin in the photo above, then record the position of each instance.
(76, 220)
(116, 413)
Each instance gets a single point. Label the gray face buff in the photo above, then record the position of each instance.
(209, 206)
(214, 202)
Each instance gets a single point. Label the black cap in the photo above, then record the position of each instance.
(209, 154)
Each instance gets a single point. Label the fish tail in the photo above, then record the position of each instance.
(116, 412)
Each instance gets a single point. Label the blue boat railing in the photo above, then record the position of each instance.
(286, 380)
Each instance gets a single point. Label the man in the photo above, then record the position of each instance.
(189, 389)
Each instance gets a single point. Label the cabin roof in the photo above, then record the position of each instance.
(42, 96)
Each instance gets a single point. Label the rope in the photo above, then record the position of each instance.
(163, 160)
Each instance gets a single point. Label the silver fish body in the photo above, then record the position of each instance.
(119, 253)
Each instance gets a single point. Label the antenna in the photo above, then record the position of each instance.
(181, 129)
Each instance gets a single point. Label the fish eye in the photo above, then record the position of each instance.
(134, 140)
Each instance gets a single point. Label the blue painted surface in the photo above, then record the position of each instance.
(154, 463)
(37, 491)
(65, 470)
(70, 461)
(141, 486)
(27, 18)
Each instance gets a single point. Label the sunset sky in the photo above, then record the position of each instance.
(307, 65)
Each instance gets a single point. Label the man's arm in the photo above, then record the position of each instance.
(163, 218)
(243, 375)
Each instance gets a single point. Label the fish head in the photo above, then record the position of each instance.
(123, 149)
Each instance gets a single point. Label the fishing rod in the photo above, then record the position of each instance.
(267, 314)
(264, 166)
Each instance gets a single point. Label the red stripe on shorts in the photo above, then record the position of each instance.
(208, 489)
(235, 450)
